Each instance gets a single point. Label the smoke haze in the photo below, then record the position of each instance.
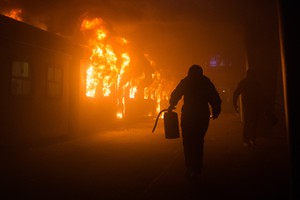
(176, 33)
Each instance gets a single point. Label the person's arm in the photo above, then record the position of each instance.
(215, 101)
(176, 95)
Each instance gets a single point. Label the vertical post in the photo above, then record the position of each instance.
(288, 36)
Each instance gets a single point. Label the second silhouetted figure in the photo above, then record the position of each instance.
(250, 90)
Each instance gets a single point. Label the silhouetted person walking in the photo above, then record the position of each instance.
(198, 93)
(250, 92)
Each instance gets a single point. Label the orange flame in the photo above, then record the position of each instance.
(107, 70)
(14, 14)
(103, 68)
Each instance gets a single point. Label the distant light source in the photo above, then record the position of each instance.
(213, 62)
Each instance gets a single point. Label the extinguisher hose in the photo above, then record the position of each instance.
(164, 110)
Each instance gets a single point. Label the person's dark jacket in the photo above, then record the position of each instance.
(198, 93)
(250, 90)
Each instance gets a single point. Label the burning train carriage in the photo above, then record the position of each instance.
(120, 72)
(47, 89)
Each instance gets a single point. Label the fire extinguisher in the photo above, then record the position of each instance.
(171, 124)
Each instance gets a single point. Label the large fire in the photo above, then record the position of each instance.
(110, 69)
(103, 67)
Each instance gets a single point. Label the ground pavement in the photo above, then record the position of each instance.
(130, 162)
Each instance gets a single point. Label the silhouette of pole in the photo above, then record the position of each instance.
(288, 37)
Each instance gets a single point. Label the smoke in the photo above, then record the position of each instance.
(66, 13)
(176, 33)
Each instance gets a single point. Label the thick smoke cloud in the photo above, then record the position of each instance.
(134, 11)
(177, 33)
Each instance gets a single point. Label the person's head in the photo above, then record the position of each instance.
(195, 70)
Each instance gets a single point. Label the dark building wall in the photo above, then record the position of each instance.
(290, 43)
(43, 111)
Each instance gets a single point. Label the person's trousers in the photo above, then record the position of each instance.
(193, 133)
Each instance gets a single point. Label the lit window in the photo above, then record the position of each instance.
(20, 81)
